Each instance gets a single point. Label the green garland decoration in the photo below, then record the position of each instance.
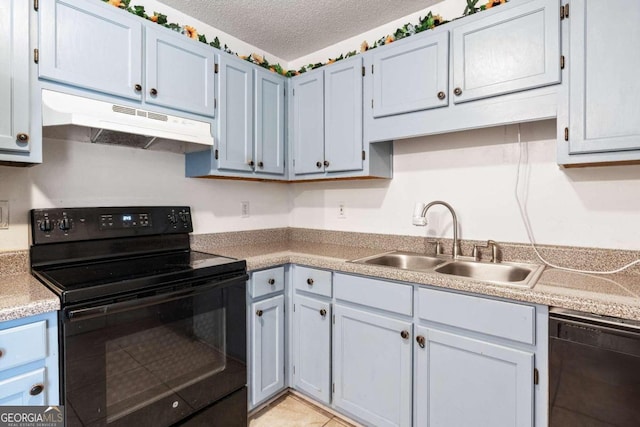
(429, 22)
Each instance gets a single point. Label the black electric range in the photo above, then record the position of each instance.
(152, 333)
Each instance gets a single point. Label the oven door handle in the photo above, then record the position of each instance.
(119, 307)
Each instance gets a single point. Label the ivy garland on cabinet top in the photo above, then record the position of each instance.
(429, 22)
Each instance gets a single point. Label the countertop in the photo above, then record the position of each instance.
(22, 295)
(615, 295)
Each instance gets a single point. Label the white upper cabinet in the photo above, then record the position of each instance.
(343, 116)
(308, 123)
(14, 76)
(411, 76)
(599, 106)
(91, 45)
(508, 51)
(235, 121)
(269, 122)
(179, 75)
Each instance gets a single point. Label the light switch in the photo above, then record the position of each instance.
(4, 214)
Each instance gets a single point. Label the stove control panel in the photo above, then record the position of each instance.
(76, 224)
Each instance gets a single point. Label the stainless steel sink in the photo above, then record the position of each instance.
(511, 273)
(507, 273)
(403, 260)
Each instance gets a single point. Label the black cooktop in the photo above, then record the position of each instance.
(86, 254)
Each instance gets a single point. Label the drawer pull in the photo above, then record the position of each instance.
(318, 165)
(441, 95)
(153, 91)
(310, 281)
(259, 313)
(323, 312)
(421, 341)
(271, 281)
(36, 389)
(22, 137)
(138, 87)
(404, 334)
(457, 91)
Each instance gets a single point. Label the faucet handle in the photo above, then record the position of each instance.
(438, 246)
(494, 251)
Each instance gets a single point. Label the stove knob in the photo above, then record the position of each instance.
(65, 224)
(184, 216)
(45, 225)
(172, 217)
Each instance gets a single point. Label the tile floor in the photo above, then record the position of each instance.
(293, 411)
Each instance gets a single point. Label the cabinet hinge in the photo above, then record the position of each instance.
(294, 369)
(566, 134)
(564, 11)
(36, 55)
(294, 308)
(294, 92)
(371, 68)
(215, 103)
(372, 103)
(36, 5)
(536, 376)
(334, 319)
(363, 71)
(215, 68)
(216, 154)
(364, 155)
(333, 387)
(562, 62)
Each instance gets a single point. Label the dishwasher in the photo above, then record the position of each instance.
(594, 370)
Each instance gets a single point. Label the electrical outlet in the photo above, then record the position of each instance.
(244, 209)
(4, 214)
(342, 212)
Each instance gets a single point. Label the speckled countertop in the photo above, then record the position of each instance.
(615, 295)
(21, 295)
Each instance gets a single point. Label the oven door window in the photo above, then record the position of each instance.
(155, 360)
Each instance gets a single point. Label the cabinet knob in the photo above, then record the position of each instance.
(421, 341)
(1, 353)
(404, 334)
(323, 312)
(36, 389)
(457, 91)
(326, 163)
(260, 165)
(250, 163)
(138, 87)
(318, 165)
(441, 95)
(259, 313)
(153, 91)
(22, 137)
(309, 281)
(271, 281)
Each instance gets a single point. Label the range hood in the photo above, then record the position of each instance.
(119, 124)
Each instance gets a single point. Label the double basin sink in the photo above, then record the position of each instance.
(507, 273)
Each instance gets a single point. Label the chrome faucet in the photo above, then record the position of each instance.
(456, 251)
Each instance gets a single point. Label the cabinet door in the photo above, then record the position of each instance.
(372, 367)
(269, 122)
(343, 116)
(509, 50)
(235, 119)
(466, 382)
(14, 78)
(267, 348)
(91, 45)
(603, 83)
(411, 76)
(312, 347)
(179, 72)
(308, 124)
(16, 391)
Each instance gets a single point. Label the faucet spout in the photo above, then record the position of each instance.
(455, 251)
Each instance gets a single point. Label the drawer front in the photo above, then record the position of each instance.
(266, 282)
(311, 280)
(515, 322)
(23, 344)
(393, 297)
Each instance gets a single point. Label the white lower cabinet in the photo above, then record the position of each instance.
(266, 322)
(312, 347)
(372, 367)
(469, 382)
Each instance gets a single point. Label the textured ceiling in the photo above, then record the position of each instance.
(290, 29)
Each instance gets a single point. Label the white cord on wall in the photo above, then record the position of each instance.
(524, 152)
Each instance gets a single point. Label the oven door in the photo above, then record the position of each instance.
(154, 360)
